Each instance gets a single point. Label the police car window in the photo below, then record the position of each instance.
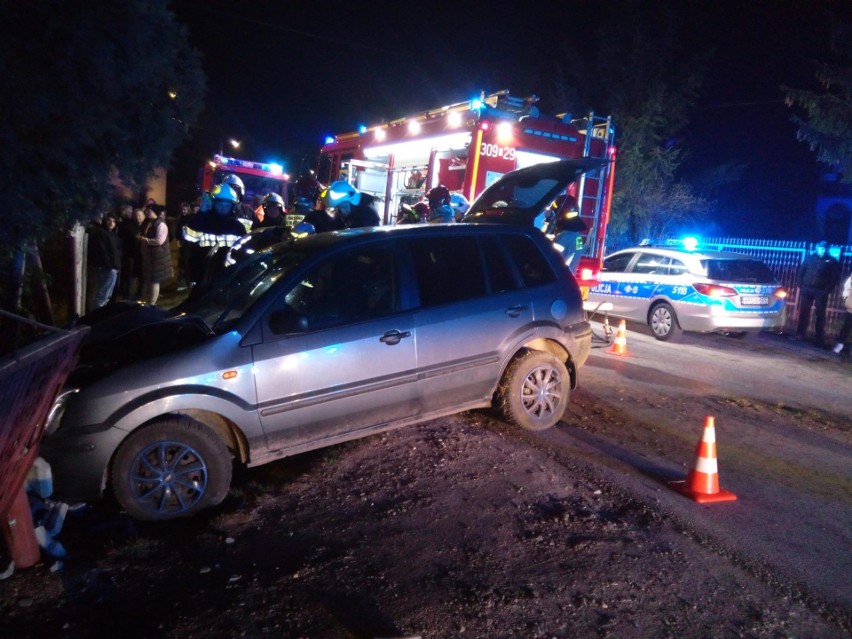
(617, 263)
(677, 267)
(650, 264)
(448, 269)
(739, 270)
(534, 268)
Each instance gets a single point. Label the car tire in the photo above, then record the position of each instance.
(663, 322)
(534, 391)
(172, 468)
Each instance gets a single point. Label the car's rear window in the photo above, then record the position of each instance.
(738, 270)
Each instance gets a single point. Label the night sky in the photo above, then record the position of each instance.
(281, 77)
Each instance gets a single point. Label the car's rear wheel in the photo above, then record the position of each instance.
(170, 469)
(663, 322)
(534, 391)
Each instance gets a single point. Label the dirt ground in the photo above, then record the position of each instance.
(460, 527)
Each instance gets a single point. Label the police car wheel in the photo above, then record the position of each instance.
(663, 322)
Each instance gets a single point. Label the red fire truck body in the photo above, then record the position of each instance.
(466, 147)
(259, 178)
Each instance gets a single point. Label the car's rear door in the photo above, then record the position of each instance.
(336, 356)
(469, 315)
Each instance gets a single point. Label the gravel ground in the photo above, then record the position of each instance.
(460, 527)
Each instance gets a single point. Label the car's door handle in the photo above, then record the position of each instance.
(514, 311)
(394, 337)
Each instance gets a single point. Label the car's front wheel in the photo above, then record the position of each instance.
(663, 322)
(534, 391)
(170, 469)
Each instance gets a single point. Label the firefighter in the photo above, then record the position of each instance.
(242, 210)
(416, 214)
(273, 212)
(567, 228)
(309, 187)
(357, 209)
(212, 232)
(322, 220)
(440, 209)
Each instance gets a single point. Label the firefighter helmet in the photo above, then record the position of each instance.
(568, 220)
(233, 180)
(303, 203)
(438, 196)
(308, 186)
(224, 199)
(273, 199)
(338, 193)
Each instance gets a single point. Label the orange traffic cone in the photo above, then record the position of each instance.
(619, 344)
(702, 483)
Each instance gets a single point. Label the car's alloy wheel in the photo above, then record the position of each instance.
(663, 322)
(534, 391)
(170, 469)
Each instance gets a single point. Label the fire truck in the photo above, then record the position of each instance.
(467, 146)
(259, 178)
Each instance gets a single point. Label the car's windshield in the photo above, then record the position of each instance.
(225, 300)
(738, 270)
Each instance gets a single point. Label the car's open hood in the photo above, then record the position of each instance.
(521, 195)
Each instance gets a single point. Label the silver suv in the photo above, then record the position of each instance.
(673, 289)
(313, 342)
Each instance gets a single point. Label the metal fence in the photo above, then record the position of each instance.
(784, 258)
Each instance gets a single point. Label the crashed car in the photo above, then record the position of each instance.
(309, 343)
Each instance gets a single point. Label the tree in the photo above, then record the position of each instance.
(636, 69)
(827, 122)
(92, 91)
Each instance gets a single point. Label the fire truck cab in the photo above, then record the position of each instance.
(466, 147)
(259, 178)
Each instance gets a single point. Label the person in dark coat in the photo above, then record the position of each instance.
(104, 259)
(156, 253)
(817, 276)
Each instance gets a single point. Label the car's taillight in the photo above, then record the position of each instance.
(587, 275)
(714, 290)
(780, 293)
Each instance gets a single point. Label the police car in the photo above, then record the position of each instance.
(674, 289)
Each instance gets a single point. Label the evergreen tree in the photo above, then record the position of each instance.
(827, 121)
(93, 91)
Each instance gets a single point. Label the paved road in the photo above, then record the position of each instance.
(784, 432)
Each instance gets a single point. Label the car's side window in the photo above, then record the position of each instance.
(448, 269)
(617, 263)
(650, 264)
(533, 266)
(677, 267)
(501, 278)
(353, 287)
